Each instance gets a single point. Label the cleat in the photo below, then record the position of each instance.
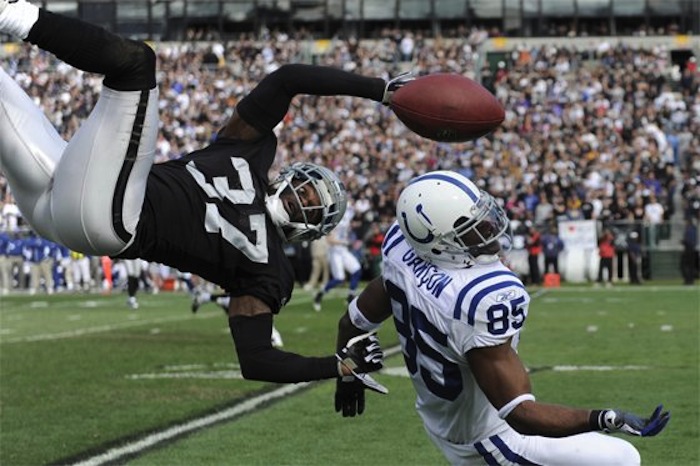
(200, 297)
(317, 301)
(276, 339)
(132, 303)
(196, 302)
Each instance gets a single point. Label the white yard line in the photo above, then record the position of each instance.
(151, 440)
(117, 326)
(79, 332)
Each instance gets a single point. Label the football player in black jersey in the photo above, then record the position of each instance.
(212, 212)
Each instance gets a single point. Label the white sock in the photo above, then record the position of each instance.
(18, 18)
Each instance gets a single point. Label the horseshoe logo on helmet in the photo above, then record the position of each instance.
(429, 237)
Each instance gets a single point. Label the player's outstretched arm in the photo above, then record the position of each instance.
(501, 375)
(269, 101)
(613, 420)
(250, 322)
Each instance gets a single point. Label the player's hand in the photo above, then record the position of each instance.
(349, 396)
(612, 420)
(362, 354)
(395, 83)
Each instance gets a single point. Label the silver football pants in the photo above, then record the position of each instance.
(86, 193)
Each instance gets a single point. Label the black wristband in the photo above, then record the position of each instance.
(595, 420)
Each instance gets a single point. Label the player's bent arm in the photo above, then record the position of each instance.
(365, 313)
(250, 321)
(502, 377)
(237, 128)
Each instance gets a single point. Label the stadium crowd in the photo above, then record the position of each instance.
(595, 134)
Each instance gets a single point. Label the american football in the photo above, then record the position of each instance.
(447, 108)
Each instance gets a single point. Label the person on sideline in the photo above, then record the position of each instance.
(341, 260)
(552, 246)
(534, 251)
(320, 269)
(606, 252)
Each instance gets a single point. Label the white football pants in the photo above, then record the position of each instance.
(512, 448)
(341, 260)
(86, 193)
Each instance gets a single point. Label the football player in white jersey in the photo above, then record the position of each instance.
(341, 259)
(459, 311)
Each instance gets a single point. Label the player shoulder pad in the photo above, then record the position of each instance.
(490, 295)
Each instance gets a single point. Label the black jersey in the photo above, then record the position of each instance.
(205, 213)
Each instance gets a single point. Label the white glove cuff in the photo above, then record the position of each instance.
(512, 404)
(359, 320)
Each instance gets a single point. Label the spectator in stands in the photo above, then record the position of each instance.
(10, 214)
(606, 253)
(544, 211)
(654, 217)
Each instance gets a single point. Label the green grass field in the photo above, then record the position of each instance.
(82, 375)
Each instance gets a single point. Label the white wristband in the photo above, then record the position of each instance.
(512, 404)
(359, 320)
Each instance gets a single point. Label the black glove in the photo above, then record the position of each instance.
(362, 354)
(349, 396)
(612, 420)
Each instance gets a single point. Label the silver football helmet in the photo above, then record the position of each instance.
(450, 222)
(288, 203)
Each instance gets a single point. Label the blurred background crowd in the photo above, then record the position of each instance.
(609, 133)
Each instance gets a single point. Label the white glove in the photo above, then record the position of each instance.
(395, 83)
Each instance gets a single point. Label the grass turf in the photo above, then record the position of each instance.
(79, 373)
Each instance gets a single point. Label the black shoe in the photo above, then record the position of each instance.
(317, 301)
(195, 303)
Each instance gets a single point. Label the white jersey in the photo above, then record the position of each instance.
(343, 231)
(340, 258)
(441, 314)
